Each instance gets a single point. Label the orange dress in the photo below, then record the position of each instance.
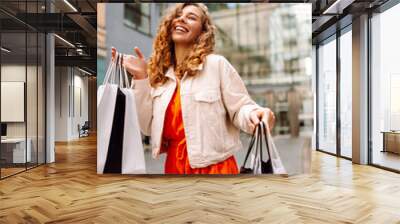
(174, 144)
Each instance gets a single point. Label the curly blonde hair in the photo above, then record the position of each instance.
(163, 55)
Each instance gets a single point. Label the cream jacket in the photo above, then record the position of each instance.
(215, 106)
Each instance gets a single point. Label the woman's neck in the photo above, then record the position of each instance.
(181, 52)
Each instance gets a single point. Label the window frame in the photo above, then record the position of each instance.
(134, 26)
(333, 37)
(379, 10)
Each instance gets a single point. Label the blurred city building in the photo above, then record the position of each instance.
(270, 46)
(131, 24)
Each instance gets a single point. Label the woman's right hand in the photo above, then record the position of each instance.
(135, 66)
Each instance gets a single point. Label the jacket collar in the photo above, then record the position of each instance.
(171, 74)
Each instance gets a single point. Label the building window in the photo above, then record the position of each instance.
(346, 94)
(327, 96)
(162, 8)
(385, 89)
(137, 16)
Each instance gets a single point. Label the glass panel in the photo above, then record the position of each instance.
(31, 98)
(132, 13)
(345, 94)
(163, 7)
(327, 96)
(138, 16)
(13, 87)
(145, 9)
(23, 89)
(385, 85)
(314, 93)
(144, 25)
(41, 99)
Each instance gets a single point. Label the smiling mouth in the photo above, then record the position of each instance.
(181, 29)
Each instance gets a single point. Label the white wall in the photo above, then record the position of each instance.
(81, 83)
(68, 82)
(14, 73)
(61, 103)
(33, 126)
(17, 73)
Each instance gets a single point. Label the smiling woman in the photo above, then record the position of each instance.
(187, 29)
(192, 102)
(187, 26)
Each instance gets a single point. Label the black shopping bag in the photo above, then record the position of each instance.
(114, 155)
(257, 147)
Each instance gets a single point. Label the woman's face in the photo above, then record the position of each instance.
(187, 25)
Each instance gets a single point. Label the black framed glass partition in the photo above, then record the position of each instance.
(326, 98)
(13, 87)
(334, 93)
(385, 89)
(382, 70)
(376, 82)
(345, 93)
(22, 78)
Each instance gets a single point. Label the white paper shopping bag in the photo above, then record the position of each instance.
(275, 158)
(106, 97)
(264, 158)
(132, 160)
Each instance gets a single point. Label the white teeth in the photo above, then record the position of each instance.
(180, 29)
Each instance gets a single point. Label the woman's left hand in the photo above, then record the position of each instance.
(262, 114)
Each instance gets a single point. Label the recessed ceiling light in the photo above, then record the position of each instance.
(84, 71)
(70, 5)
(338, 6)
(64, 40)
(5, 50)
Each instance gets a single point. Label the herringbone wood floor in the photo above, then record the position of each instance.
(70, 191)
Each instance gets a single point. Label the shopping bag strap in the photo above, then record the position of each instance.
(116, 73)
(110, 71)
(251, 144)
(125, 76)
(256, 142)
(257, 163)
(110, 76)
(265, 133)
(120, 72)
